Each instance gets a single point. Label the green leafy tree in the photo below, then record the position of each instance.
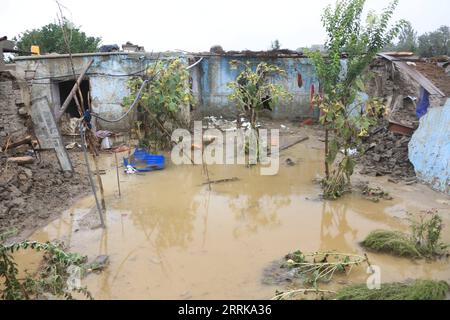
(343, 113)
(162, 99)
(50, 39)
(435, 43)
(406, 40)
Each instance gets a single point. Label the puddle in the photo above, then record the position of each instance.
(168, 237)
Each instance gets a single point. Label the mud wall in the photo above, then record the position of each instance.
(211, 76)
(107, 77)
(429, 148)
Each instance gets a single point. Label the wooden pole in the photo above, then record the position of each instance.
(100, 183)
(117, 172)
(73, 91)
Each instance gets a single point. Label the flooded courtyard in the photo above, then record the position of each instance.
(169, 237)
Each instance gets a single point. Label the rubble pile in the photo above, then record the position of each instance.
(387, 154)
(32, 193)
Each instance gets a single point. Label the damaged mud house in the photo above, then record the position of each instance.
(41, 163)
(34, 89)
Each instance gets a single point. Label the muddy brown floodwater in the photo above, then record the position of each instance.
(170, 237)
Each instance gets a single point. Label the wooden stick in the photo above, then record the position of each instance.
(117, 172)
(291, 144)
(100, 183)
(221, 181)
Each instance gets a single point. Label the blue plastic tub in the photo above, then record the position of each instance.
(143, 161)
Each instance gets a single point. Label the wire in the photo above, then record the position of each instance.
(83, 144)
(110, 74)
(135, 103)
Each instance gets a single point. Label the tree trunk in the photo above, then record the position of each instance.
(327, 166)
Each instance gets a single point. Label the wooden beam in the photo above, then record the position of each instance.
(21, 160)
(26, 140)
(73, 91)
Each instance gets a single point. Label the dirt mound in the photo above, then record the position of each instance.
(34, 193)
(436, 74)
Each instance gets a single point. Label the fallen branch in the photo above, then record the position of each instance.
(292, 293)
(221, 181)
(300, 140)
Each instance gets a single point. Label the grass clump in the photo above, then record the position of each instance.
(418, 290)
(394, 242)
(424, 239)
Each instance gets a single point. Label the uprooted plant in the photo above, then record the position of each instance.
(345, 115)
(424, 240)
(317, 267)
(51, 278)
(162, 99)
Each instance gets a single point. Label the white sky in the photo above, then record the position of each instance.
(196, 25)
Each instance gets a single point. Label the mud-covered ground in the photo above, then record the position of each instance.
(34, 194)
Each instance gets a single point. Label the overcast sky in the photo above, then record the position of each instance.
(196, 25)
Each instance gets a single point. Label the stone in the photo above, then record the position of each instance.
(22, 111)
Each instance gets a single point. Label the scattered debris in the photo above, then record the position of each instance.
(290, 162)
(374, 194)
(73, 145)
(386, 153)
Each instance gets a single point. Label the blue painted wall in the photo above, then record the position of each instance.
(429, 148)
(212, 75)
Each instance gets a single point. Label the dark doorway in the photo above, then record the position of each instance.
(64, 89)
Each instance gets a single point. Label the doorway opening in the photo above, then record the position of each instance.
(64, 90)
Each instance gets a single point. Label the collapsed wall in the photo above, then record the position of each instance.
(37, 190)
(387, 148)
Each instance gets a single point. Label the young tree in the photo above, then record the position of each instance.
(50, 39)
(343, 113)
